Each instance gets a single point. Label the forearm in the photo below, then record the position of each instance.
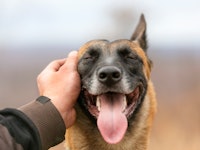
(47, 120)
(17, 131)
(37, 125)
(7, 141)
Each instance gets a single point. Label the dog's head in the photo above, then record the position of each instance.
(114, 81)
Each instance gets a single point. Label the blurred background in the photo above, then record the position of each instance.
(35, 32)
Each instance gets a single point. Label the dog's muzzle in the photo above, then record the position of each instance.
(112, 108)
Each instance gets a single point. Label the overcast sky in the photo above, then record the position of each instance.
(170, 22)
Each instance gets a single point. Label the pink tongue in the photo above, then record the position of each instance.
(111, 122)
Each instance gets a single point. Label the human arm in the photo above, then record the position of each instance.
(50, 115)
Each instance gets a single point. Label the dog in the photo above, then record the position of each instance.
(117, 103)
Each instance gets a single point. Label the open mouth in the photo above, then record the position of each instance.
(112, 111)
(128, 102)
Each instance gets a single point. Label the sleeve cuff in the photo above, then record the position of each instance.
(48, 121)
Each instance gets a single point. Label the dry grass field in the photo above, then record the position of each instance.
(177, 82)
(176, 76)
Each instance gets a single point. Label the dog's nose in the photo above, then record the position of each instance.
(109, 74)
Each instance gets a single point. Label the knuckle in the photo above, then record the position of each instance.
(39, 77)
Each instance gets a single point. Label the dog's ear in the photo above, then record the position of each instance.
(140, 33)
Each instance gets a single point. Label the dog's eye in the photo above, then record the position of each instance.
(87, 56)
(131, 56)
(91, 55)
(127, 54)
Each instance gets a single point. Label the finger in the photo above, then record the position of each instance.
(55, 65)
(71, 61)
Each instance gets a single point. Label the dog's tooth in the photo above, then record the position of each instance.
(98, 103)
(124, 103)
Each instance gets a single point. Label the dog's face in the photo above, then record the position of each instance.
(114, 82)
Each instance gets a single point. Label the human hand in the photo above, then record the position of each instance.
(60, 82)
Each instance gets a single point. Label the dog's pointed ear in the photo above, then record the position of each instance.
(140, 33)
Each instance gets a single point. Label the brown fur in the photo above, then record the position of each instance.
(84, 135)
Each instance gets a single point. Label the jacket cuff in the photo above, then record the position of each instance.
(48, 121)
